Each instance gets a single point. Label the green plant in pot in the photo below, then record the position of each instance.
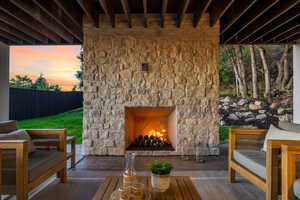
(160, 177)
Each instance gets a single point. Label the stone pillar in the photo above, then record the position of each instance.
(296, 74)
(4, 82)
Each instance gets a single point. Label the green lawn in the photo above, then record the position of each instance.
(72, 121)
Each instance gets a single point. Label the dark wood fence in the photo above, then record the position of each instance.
(28, 104)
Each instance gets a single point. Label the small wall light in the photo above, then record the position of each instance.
(145, 67)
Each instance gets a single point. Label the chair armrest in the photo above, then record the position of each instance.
(60, 134)
(288, 169)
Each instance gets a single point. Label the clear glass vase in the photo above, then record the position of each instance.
(129, 175)
(202, 150)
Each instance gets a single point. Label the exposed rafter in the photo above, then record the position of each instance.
(261, 7)
(90, 11)
(281, 23)
(217, 10)
(145, 8)
(72, 10)
(163, 12)
(9, 29)
(7, 19)
(6, 41)
(289, 34)
(278, 10)
(127, 12)
(294, 39)
(200, 10)
(234, 13)
(10, 37)
(181, 12)
(35, 12)
(19, 14)
(108, 11)
(60, 18)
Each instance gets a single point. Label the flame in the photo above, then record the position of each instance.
(159, 134)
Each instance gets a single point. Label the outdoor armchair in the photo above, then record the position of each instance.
(22, 171)
(259, 167)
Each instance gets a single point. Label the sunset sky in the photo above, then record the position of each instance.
(58, 63)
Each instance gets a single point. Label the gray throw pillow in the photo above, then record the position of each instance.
(289, 126)
(19, 135)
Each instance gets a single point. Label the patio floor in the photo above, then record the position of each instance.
(210, 178)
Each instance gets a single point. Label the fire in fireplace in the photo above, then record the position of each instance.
(150, 129)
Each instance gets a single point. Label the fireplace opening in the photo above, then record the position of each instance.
(150, 128)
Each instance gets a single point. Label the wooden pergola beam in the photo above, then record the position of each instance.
(90, 11)
(278, 10)
(35, 12)
(127, 11)
(20, 15)
(22, 28)
(200, 10)
(163, 12)
(288, 35)
(145, 8)
(9, 29)
(284, 22)
(182, 11)
(60, 18)
(108, 11)
(10, 37)
(260, 7)
(234, 13)
(293, 38)
(71, 10)
(217, 10)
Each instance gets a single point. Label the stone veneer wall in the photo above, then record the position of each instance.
(183, 72)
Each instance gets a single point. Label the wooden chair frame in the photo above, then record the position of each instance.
(23, 187)
(288, 167)
(272, 185)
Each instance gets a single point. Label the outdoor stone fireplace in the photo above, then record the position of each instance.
(177, 95)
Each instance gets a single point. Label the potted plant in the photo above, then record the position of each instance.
(160, 176)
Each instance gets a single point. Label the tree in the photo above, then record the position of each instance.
(267, 93)
(79, 73)
(74, 88)
(254, 72)
(20, 82)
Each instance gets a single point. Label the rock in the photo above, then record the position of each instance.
(247, 114)
(233, 117)
(250, 119)
(280, 111)
(254, 107)
(258, 103)
(233, 105)
(285, 102)
(242, 102)
(225, 107)
(261, 116)
(222, 123)
(286, 117)
(227, 99)
(262, 111)
(274, 105)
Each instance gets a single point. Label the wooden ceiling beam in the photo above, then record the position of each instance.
(284, 22)
(145, 8)
(21, 27)
(278, 10)
(284, 37)
(35, 12)
(127, 12)
(234, 13)
(258, 9)
(163, 12)
(90, 10)
(217, 10)
(200, 10)
(108, 11)
(72, 10)
(9, 29)
(293, 39)
(10, 37)
(5, 41)
(19, 14)
(60, 18)
(182, 11)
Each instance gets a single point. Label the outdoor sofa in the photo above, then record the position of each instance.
(262, 168)
(23, 166)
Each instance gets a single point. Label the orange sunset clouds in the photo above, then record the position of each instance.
(58, 63)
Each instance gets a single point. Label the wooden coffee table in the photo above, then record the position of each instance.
(181, 188)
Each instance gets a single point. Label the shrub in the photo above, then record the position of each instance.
(159, 167)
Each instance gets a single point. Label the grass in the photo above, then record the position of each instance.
(72, 121)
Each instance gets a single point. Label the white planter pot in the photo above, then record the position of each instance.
(160, 183)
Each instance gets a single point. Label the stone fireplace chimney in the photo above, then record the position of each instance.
(182, 73)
